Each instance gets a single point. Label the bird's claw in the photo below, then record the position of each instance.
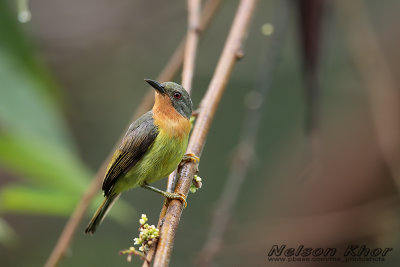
(178, 196)
(190, 157)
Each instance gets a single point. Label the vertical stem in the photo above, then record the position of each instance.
(244, 153)
(192, 39)
(198, 25)
(208, 107)
(189, 59)
(166, 74)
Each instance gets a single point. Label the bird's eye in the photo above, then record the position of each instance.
(177, 95)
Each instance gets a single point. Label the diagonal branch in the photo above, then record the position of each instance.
(175, 62)
(244, 154)
(189, 59)
(231, 53)
(192, 39)
(168, 73)
(194, 30)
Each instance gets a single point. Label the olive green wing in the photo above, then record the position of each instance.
(136, 142)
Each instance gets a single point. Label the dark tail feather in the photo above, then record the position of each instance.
(101, 213)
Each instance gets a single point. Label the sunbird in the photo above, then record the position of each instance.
(151, 149)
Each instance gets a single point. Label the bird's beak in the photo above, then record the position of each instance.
(156, 85)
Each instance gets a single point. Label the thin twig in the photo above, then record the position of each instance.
(209, 104)
(73, 222)
(192, 39)
(244, 154)
(189, 59)
(168, 73)
(198, 24)
(194, 29)
(384, 96)
(175, 62)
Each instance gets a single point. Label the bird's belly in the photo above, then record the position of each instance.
(161, 159)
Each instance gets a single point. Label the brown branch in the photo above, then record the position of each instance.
(196, 26)
(194, 29)
(168, 73)
(208, 108)
(244, 154)
(378, 79)
(73, 222)
(192, 39)
(175, 62)
(189, 59)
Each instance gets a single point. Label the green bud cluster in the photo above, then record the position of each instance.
(147, 236)
(196, 184)
(148, 233)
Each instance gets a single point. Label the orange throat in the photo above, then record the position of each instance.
(167, 119)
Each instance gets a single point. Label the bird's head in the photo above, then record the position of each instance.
(179, 97)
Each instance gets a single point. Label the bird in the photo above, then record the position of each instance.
(152, 148)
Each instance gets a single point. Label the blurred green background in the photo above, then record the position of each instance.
(71, 78)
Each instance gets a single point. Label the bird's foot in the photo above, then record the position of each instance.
(178, 196)
(168, 195)
(190, 157)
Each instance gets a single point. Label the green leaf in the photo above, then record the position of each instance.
(17, 43)
(30, 200)
(27, 200)
(43, 163)
(35, 142)
(29, 97)
(25, 109)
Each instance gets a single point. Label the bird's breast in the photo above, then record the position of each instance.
(168, 120)
(163, 157)
(172, 125)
